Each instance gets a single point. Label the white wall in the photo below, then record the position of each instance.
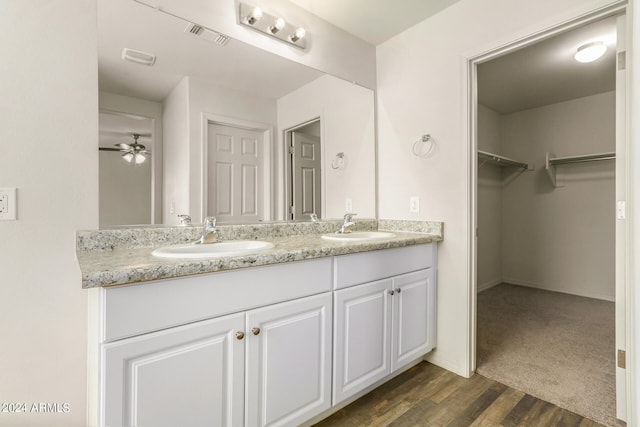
(331, 49)
(48, 141)
(205, 97)
(153, 110)
(633, 297)
(347, 125)
(422, 78)
(183, 127)
(175, 179)
(125, 191)
(561, 239)
(489, 202)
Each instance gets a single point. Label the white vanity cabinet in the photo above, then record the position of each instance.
(381, 326)
(195, 374)
(264, 366)
(189, 375)
(289, 362)
(278, 345)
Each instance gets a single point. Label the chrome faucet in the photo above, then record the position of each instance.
(185, 220)
(209, 231)
(347, 224)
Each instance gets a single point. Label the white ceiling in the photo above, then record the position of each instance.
(374, 21)
(128, 24)
(118, 128)
(537, 75)
(547, 73)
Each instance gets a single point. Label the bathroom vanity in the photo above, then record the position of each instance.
(282, 343)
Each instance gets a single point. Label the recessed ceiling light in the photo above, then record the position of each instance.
(590, 51)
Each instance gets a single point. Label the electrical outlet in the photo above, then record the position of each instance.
(621, 209)
(4, 204)
(414, 204)
(8, 203)
(348, 205)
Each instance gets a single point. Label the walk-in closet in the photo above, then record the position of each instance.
(546, 216)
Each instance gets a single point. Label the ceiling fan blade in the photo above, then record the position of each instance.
(108, 149)
(123, 146)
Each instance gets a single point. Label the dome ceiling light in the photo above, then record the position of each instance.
(589, 52)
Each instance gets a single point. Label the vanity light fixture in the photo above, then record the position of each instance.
(277, 26)
(589, 52)
(271, 25)
(300, 33)
(255, 16)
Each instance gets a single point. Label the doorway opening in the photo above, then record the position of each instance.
(304, 165)
(549, 154)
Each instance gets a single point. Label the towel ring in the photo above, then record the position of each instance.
(340, 162)
(421, 148)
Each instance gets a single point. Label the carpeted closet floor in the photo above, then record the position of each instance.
(557, 347)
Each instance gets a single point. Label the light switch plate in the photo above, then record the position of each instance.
(348, 205)
(8, 203)
(414, 204)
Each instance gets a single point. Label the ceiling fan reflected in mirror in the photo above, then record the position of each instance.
(136, 152)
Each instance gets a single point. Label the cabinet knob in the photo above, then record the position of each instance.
(398, 290)
(255, 331)
(391, 292)
(239, 335)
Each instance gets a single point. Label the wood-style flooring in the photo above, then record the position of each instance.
(427, 395)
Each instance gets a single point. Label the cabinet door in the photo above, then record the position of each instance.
(361, 338)
(413, 322)
(289, 361)
(191, 375)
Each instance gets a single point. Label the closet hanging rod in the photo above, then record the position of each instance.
(581, 159)
(501, 160)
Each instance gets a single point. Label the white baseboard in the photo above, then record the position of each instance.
(528, 284)
(447, 364)
(488, 285)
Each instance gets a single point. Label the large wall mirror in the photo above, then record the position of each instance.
(213, 125)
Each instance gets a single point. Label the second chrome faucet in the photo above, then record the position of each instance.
(209, 231)
(347, 224)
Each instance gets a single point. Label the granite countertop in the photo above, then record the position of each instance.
(123, 256)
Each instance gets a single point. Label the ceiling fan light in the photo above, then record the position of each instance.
(589, 52)
(140, 158)
(127, 157)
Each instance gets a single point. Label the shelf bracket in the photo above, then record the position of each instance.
(551, 170)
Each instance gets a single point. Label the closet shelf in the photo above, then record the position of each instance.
(551, 160)
(501, 160)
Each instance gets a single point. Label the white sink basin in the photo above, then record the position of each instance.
(213, 250)
(359, 236)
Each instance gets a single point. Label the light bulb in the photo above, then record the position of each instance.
(277, 26)
(140, 158)
(255, 16)
(300, 33)
(127, 157)
(590, 52)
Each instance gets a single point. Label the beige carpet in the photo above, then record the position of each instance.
(557, 347)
